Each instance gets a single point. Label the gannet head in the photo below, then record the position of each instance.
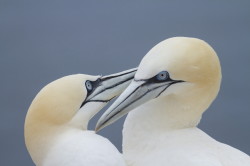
(181, 70)
(69, 102)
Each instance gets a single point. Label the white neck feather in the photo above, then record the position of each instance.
(163, 115)
(41, 133)
(39, 138)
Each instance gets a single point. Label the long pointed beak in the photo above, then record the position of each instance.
(110, 86)
(137, 93)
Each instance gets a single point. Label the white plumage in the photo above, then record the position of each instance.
(175, 83)
(56, 124)
(82, 148)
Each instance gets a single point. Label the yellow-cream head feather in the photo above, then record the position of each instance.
(180, 75)
(69, 102)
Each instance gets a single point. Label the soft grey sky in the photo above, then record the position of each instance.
(41, 41)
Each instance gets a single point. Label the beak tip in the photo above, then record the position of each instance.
(98, 127)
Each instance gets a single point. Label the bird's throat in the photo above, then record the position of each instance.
(162, 114)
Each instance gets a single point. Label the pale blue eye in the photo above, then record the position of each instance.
(89, 85)
(162, 76)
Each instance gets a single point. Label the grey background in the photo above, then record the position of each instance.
(41, 41)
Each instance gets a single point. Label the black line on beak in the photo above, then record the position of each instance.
(174, 82)
(110, 77)
(100, 81)
(133, 100)
(102, 101)
(148, 82)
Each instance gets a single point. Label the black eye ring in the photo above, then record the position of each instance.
(162, 76)
(89, 85)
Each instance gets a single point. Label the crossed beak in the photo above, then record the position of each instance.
(137, 93)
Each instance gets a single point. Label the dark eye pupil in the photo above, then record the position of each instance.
(89, 85)
(162, 76)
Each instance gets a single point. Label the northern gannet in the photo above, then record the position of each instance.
(56, 123)
(175, 83)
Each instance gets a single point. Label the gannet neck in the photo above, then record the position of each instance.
(40, 136)
(172, 112)
(83, 116)
(40, 131)
(50, 111)
(65, 106)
